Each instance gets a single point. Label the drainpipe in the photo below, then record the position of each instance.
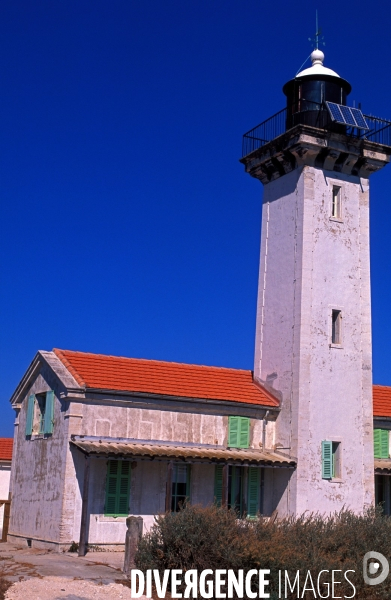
(264, 429)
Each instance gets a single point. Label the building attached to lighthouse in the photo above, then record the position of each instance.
(313, 326)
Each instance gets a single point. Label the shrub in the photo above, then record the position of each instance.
(74, 547)
(183, 540)
(214, 538)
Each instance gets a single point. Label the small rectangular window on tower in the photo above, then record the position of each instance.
(331, 460)
(336, 327)
(336, 208)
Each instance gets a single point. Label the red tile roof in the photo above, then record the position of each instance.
(157, 377)
(381, 401)
(6, 448)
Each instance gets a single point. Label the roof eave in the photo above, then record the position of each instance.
(27, 379)
(89, 393)
(42, 357)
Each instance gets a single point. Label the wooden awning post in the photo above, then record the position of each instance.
(83, 540)
(224, 492)
(170, 466)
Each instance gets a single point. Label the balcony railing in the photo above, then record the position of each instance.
(314, 115)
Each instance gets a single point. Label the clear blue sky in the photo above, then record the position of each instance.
(128, 225)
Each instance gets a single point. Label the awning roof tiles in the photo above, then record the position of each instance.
(186, 453)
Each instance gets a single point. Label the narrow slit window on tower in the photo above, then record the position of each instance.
(336, 211)
(336, 327)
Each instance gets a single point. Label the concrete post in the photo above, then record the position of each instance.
(133, 536)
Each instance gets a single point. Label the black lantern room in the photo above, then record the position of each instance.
(307, 93)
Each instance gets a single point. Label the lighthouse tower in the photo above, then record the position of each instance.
(313, 326)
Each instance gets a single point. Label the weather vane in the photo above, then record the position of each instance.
(318, 38)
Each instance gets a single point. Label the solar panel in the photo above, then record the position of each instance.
(335, 112)
(360, 119)
(345, 115)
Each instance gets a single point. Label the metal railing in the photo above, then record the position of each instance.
(380, 131)
(314, 115)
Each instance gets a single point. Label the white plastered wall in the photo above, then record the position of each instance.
(309, 265)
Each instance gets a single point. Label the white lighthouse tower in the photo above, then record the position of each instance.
(313, 327)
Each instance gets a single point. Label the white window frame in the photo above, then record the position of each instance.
(336, 202)
(332, 311)
(39, 414)
(337, 456)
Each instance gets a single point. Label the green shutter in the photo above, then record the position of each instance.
(254, 486)
(384, 443)
(49, 413)
(218, 484)
(377, 443)
(117, 488)
(124, 488)
(238, 432)
(244, 432)
(327, 460)
(30, 414)
(381, 443)
(233, 432)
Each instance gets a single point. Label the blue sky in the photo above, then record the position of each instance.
(128, 225)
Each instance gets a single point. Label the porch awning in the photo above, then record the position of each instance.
(185, 453)
(383, 466)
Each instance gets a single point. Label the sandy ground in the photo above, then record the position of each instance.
(53, 588)
(43, 575)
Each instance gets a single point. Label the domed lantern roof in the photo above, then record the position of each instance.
(317, 68)
(317, 84)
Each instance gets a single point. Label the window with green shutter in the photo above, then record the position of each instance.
(235, 487)
(40, 414)
(254, 488)
(238, 432)
(331, 460)
(236, 479)
(117, 488)
(381, 439)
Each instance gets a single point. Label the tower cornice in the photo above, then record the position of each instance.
(304, 145)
